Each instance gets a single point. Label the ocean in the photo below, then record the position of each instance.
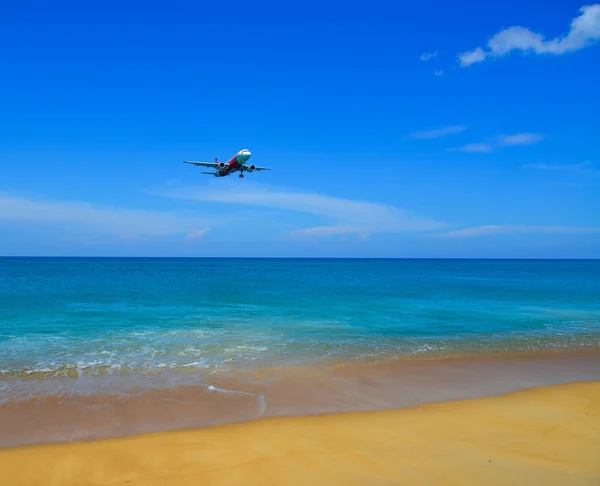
(124, 345)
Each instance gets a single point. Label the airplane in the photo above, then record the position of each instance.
(237, 163)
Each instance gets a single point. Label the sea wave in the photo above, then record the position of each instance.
(154, 357)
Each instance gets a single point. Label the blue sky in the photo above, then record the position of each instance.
(393, 129)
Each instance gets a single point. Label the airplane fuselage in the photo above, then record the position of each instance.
(235, 164)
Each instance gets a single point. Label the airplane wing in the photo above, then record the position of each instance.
(202, 164)
(261, 168)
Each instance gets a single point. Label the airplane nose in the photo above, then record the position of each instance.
(243, 156)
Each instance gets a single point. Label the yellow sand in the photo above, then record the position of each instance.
(546, 436)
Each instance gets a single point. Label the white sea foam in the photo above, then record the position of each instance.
(260, 398)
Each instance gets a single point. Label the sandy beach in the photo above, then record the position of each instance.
(548, 436)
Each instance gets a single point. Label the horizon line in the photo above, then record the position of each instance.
(294, 258)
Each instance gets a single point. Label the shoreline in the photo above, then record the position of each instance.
(543, 435)
(323, 389)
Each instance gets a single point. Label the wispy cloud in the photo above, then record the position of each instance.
(426, 56)
(582, 167)
(111, 221)
(347, 216)
(438, 132)
(518, 139)
(481, 148)
(496, 230)
(196, 234)
(325, 231)
(584, 31)
(439, 72)
(499, 142)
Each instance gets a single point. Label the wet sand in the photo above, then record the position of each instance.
(548, 436)
(285, 391)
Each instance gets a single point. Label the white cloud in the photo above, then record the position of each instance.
(426, 56)
(109, 220)
(439, 72)
(319, 231)
(519, 139)
(500, 141)
(481, 148)
(438, 132)
(584, 31)
(348, 216)
(471, 57)
(495, 230)
(543, 166)
(196, 234)
(582, 167)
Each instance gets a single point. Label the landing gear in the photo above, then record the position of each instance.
(241, 176)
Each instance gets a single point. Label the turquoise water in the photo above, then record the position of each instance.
(79, 316)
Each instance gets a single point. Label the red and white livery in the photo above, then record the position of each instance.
(237, 163)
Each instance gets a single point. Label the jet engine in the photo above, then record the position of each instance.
(221, 165)
(251, 168)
